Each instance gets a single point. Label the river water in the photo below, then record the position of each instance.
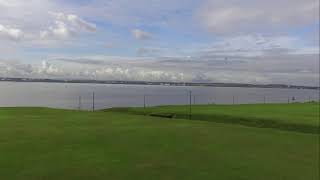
(63, 95)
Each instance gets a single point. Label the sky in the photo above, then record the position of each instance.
(234, 41)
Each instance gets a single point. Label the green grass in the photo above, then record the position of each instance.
(40, 143)
(301, 117)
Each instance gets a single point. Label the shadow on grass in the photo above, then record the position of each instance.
(218, 118)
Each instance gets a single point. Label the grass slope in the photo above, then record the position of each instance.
(40, 143)
(301, 117)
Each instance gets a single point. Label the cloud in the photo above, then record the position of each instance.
(8, 3)
(59, 30)
(86, 70)
(299, 69)
(48, 69)
(254, 45)
(247, 40)
(14, 68)
(238, 16)
(10, 33)
(66, 25)
(156, 13)
(87, 61)
(11, 68)
(149, 51)
(74, 20)
(136, 74)
(141, 35)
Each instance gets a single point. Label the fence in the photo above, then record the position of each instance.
(94, 97)
(187, 98)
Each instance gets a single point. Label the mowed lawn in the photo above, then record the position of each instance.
(41, 143)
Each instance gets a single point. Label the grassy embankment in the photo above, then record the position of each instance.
(40, 143)
(300, 117)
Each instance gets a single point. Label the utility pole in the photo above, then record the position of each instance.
(144, 103)
(93, 101)
(190, 103)
(79, 103)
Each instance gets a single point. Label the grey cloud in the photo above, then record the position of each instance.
(300, 69)
(146, 51)
(141, 12)
(10, 33)
(256, 45)
(278, 51)
(239, 16)
(80, 61)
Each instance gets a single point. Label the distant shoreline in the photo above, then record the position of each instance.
(283, 86)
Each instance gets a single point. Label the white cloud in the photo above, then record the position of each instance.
(36, 25)
(10, 33)
(66, 25)
(137, 74)
(77, 71)
(238, 16)
(82, 23)
(59, 30)
(8, 3)
(48, 69)
(75, 21)
(29, 15)
(141, 35)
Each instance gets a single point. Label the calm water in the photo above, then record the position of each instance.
(58, 95)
